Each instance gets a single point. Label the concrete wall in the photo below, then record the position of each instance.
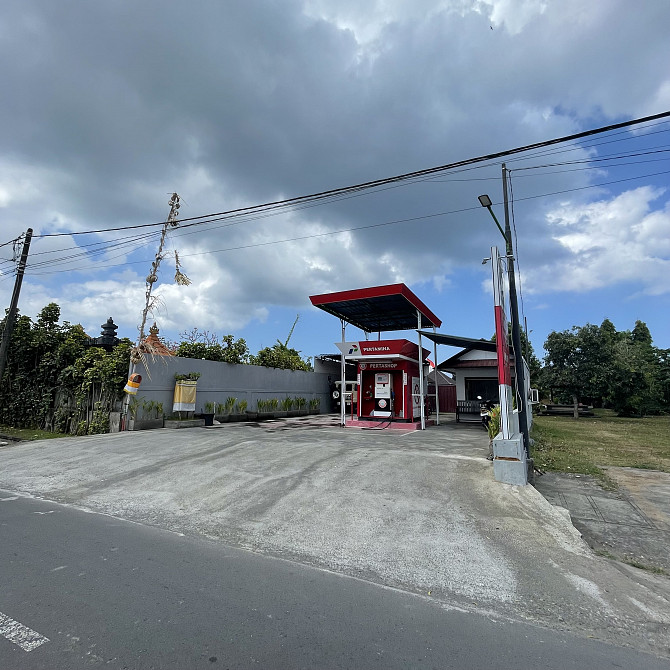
(219, 380)
(332, 368)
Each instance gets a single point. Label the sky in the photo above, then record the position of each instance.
(109, 108)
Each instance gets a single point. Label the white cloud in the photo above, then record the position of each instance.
(268, 100)
(514, 15)
(609, 242)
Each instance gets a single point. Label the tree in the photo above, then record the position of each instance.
(604, 367)
(565, 365)
(50, 376)
(662, 378)
(634, 388)
(203, 344)
(641, 335)
(281, 356)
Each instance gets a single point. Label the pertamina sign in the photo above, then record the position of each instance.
(380, 349)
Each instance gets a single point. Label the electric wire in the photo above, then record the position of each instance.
(353, 228)
(88, 254)
(242, 215)
(516, 243)
(146, 237)
(16, 239)
(591, 145)
(104, 246)
(388, 180)
(600, 159)
(282, 241)
(327, 233)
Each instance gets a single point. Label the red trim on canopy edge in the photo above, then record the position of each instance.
(377, 292)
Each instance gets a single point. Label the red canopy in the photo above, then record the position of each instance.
(378, 308)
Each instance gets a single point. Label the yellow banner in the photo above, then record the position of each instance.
(184, 396)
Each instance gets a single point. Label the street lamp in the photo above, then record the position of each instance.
(485, 201)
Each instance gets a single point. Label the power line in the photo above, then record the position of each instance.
(357, 228)
(592, 145)
(241, 215)
(291, 239)
(516, 245)
(389, 180)
(104, 247)
(602, 159)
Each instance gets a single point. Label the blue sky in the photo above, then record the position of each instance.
(116, 106)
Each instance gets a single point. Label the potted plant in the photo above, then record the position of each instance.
(277, 409)
(145, 415)
(287, 406)
(186, 376)
(252, 414)
(176, 421)
(133, 406)
(301, 404)
(240, 411)
(315, 406)
(208, 414)
(264, 410)
(220, 413)
(493, 428)
(224, 410)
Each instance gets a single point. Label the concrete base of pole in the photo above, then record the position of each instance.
(114, 422)
(509, 460)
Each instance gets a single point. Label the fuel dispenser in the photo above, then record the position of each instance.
(383, 395)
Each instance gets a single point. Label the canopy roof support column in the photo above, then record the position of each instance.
(423, 413)
(343, 384)
(437, 390)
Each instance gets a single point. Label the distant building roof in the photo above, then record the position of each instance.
(472, 358)
(442, 379)
(152, 345)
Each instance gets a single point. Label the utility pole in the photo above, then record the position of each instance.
(11, 315)
(137, 354)
(522, 398)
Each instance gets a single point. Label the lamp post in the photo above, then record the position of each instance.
(522, 399)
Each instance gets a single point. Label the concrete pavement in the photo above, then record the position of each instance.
(631, 523)
(416, 511)
(122, 595)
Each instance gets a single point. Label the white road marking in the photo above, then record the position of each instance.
(8, 499)
(60, 567)
(21, 635)
(49, 512)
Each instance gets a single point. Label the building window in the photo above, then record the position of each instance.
(478, 386)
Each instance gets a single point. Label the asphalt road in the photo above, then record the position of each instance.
(82, 590)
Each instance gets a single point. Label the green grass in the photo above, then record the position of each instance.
(29, 433)
(564, 444)
(641, 566)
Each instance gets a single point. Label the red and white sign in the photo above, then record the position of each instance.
(382, 349)
(388, 365)
(502, 344)
(502, 347)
